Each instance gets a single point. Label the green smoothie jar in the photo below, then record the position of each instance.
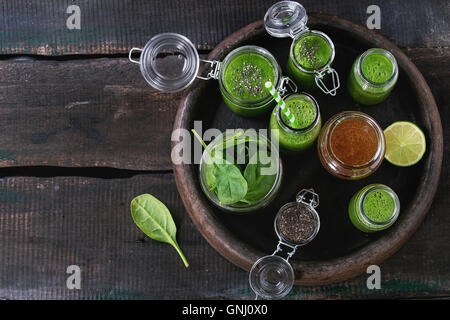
(302, 136)
(169, 62)
(373, 76)
(375, 207)
(312, 52)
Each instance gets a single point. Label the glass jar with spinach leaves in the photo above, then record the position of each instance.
(240, 170)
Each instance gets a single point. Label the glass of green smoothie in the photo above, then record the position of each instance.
(375, 207)
(240, 171)
(302, 136)
(373, 76)
(312, 52)
(242, 75)
(169, 62)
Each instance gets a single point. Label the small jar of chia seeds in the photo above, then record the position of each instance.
(375, 207)
(169, 62)
(296, 224)
(312, 52)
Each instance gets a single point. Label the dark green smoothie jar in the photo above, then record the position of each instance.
(311, 53)
(169, 62)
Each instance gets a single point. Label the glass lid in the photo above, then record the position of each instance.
(169, 62)
(271, 277)
(285, 19)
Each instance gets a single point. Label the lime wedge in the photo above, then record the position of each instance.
(405, 143)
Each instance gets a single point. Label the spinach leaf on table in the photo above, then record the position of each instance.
(155, 220)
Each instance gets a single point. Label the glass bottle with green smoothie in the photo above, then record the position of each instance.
(373, 76)
(169, 62)
(375, 207)
(301, 135)
(312, 52)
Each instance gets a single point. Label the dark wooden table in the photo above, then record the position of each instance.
(82, 134)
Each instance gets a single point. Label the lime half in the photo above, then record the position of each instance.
(405, 143)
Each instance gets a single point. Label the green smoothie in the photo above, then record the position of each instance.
(372, 76)
(374, 208)
(311, 52)
(378, 206)
(243, 78)
(377, 68)
(300, 137)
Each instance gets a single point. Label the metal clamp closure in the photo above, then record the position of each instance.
(280, 249)
(285, 84)
(335, 78)
(213, 72)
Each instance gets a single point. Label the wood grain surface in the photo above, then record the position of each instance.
(115, 26)
(70, 100)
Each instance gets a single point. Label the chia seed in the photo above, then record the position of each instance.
(296, 223)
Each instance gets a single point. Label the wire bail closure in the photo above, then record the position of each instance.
(334, 76)
(131, 52)
(285, 84)
(302, 197)
(280, 249)
(214, 71)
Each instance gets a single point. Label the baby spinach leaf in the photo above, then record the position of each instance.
(226, 180)
(231, 185)
(258, 184)
(155, 220)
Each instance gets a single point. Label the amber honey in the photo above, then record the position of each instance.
(351, 145)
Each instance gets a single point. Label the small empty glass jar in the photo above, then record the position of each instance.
(351, 145)
(373, 76)
(375, 207)
(272, 276)
(169, 62)
(312, 52)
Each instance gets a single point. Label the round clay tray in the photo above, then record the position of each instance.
(339, 251)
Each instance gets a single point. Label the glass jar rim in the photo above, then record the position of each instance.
(249, 49)
(385, 53)
(319, 34)
(334, 121)
(392, 194)
(313, 124)
(248, 207)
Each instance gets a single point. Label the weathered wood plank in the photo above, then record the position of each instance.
(47, 224)
(101, 112)
(114, 26)
(97, 112)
